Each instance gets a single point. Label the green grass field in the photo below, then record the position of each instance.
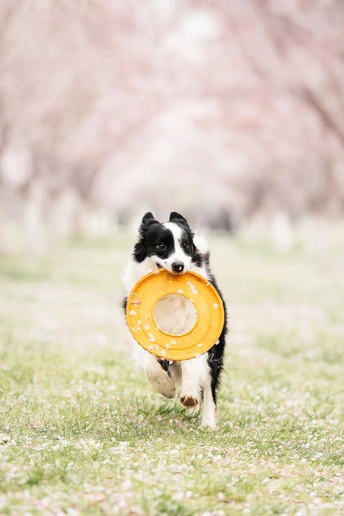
(82, 433)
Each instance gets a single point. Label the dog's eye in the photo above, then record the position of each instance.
(161, 246)
(186, 246)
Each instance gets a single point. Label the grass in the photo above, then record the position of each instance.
(82, 433)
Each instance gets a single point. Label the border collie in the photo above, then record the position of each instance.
(173, 246)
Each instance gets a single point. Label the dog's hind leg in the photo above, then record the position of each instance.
(195, 374)
(175, 373)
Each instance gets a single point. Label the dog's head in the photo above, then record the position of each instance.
(169, 245)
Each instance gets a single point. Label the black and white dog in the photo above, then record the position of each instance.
(173, 246)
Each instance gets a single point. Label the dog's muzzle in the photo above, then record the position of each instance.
(177, 267)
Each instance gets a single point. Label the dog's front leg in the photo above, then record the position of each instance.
(209, 408)
(195, 374)
(158, 377)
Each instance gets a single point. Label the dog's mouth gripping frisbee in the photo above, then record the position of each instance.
(197, 340)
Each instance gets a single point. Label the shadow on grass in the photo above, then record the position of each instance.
(165, 409)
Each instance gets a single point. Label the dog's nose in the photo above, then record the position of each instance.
(178, 266)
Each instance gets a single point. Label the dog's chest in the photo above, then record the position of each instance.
(175, 314)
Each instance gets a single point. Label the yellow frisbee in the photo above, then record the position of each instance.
(191, 344)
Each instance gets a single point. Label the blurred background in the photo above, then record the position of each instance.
(231, 112)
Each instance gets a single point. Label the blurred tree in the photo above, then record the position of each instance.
(109, 108)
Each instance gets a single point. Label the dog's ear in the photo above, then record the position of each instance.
(179, 219)
(176, 217)
(148, 219)
(140, 249)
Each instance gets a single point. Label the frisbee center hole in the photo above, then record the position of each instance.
(175, 314)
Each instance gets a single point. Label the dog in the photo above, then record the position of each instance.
(174, 247)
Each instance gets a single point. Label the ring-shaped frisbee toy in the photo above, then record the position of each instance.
(194, 342)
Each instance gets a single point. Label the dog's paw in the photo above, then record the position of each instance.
(189, 401)
(163, 384)
(208, 425)
(168, 390)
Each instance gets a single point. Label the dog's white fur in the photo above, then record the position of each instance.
(175, 314)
